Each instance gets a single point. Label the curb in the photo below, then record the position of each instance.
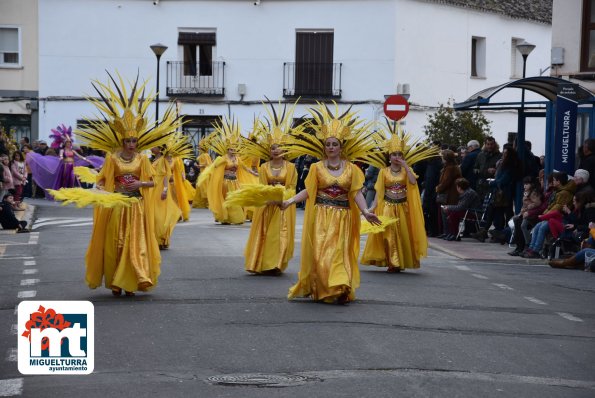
(461, 256)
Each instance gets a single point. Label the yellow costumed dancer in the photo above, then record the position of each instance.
(123, 251)
(182, 187)
(331, 231)
(227, 173)
(402, 244)
(251, 162)
(203, 161)
(271, 241)
(167, 212)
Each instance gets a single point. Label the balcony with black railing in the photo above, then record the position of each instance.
(312, 80)
(200, 79)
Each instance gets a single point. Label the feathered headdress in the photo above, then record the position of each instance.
(359, 142)
(124, 116)
(178, 146)
(225, 136)
(274, 130)
(60, 135)
(203, 144)
(413, 150)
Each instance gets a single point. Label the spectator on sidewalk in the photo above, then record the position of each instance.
(8, 220)
(587, 162)
(468, 199)
(469, 162)
(485, 165)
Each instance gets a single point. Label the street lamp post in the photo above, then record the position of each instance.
(158, 49)
(525, 49)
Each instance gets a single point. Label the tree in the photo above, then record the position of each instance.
(456, 128)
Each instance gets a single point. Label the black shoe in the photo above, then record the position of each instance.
(442, 236)
(23, 231)
(450, 238)
(515, 253)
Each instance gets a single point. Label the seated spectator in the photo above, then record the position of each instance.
(578, 260)
(581, 179)
(525, 220)
(7, 218)
(468, 199)
(562, 196)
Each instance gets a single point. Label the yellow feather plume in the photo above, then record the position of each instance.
(85, 174)
(206, 174)
(367, 228)
(257, 195)
(91, 197)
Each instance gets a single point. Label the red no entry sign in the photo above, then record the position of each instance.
(396, 107)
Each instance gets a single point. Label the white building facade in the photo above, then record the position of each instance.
(225, 56)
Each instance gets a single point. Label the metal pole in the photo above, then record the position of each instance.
(157, 94)
(520, 139)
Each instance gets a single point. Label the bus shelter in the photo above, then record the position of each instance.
(569, 110)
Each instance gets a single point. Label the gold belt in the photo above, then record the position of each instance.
(395, 201)
(228, 177)
(332, 202)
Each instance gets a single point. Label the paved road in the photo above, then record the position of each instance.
(452, 329)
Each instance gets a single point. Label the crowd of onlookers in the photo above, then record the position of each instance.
(467, 187)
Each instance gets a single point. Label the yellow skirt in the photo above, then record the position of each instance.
(334, 262)
(235, 214)
(397, 241)
(200, 200)
(167, 214)
(271, 241)
(126, 256)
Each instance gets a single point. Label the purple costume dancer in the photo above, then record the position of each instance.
(58, 172)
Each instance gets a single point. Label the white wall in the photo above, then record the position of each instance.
(434, 56)
(380, 43)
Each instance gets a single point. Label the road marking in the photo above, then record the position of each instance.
(502, 286)
(479, 276)
(29, 282)
(462, 268)
(536, 301)
(57, 221)
(29, 262)
(2, 249)
(11, 387)
(15, 258)
(27, 293)
(76, 225)
(29, 271)
(570, 317)
(12, 355)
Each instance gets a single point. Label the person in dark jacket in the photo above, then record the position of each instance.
(469, 162)
(370, 180)
(430, 208)
(485, 165)
(468, 199)
(8, 219)
(587, 162)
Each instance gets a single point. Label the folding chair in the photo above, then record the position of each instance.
(471, 215)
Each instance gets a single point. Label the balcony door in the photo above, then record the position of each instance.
(314, 63)
(198, 49)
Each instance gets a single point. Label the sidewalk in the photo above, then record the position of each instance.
(469, 249)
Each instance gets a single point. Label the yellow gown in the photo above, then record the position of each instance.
(167, 212)
(271, 241)
(404, 243)
(200, 197)
(225, 178)
(180, 186)
(251, 163)
(123, 251)
(330, 236)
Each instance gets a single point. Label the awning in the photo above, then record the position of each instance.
(543, 85)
